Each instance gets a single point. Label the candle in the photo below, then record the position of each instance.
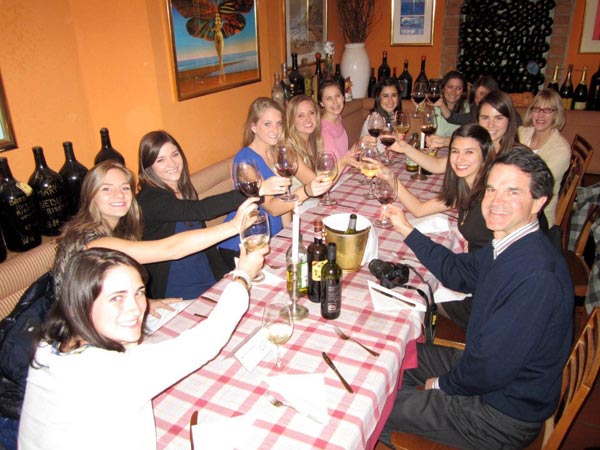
(295, 233)
(422, 140)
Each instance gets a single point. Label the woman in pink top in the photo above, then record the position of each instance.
(335, 138)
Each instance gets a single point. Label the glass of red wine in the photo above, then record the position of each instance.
(375, 124)
(435, 90)
(387, 138)
(418, 94)
(428, 127)
(247, 178)
(285, 161)
(385, 192)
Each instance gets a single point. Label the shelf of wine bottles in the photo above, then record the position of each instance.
(507, 40)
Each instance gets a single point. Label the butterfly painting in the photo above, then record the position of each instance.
(214, 40)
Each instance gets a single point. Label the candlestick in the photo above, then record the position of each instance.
(295, 233)
(299, 312)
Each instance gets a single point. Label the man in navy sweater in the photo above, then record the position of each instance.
(499, 390)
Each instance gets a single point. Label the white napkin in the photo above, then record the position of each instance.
(270, 278)
(153, 323)
(340, 222)
(386, 300)
(219, 435)
(436, 223)
(443, 294)
(305, 392)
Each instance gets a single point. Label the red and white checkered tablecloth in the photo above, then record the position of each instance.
(223, 388)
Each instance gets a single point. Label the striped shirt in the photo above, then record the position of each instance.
(502, 244)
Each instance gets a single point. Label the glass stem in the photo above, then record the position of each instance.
(278, 363)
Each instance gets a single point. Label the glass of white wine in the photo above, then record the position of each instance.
(402, 125)
(370, 167)
(278, 323)
(327, 165)
(255, 233)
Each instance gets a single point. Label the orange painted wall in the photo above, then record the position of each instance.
(71, 67)
(592, 60)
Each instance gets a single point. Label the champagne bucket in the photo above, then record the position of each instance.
(350, 247)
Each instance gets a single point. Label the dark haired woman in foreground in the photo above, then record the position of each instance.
(90, 385)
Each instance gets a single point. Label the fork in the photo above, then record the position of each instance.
(345, 337)
(276, 402)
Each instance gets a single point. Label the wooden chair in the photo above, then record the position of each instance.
(580, 271)
(193, 421)
(449, 334)
(582, 147)
(566, 196)
(579, 376)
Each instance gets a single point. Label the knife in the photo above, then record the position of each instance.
(332, 365)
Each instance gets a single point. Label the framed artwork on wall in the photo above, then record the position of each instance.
(590, 34)
(7, 137)
(215, 45)
(412, 22)
(305, 28)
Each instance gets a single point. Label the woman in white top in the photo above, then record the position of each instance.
(90, 384)
(544, 119)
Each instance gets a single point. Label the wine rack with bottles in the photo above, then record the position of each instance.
(507, 40)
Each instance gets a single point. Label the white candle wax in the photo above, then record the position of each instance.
(295, 234)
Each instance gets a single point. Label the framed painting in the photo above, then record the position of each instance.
(215, 45)
(412, 22)
(305, 28)
(7, 137)
(590, 34)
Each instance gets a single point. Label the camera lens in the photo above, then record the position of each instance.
(380, 268)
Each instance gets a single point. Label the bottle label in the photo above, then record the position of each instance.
(579, 105)
(317, 267)
(567, 102)
(411, 166)
(302, 276)
(25, 188)
(333, 298)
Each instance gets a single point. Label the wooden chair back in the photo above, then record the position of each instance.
(579, 376)
(582, 147)
(566, 196)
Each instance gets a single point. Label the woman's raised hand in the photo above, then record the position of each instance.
(435, 141)
(398, 219)
(251, 263)
(318, 186)
(275, 185)
(399, 146)
(247, 206)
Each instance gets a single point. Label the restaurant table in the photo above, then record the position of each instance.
(224, 388)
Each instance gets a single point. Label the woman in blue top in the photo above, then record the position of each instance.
(262, 130)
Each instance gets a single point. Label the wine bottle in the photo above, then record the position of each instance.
(285, 83)
(316, 259)
(107, 152)
(302, 280)
(329, 70)
(593, 99)
(277, 92)
(566, 90)
(412, 166)
(318, 78)
(372, 84)
(331, 286)
(72, 173)
(384, 70)
(18, 212)
(394, 76)
(340, 79)
(351, 225)
(49, 194)
(581, 92)
(422, 77)
(3, 252)
(405, 82)
(296, 77)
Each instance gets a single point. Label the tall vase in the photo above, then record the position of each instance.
(356, 65)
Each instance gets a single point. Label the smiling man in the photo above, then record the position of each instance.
(499, 390)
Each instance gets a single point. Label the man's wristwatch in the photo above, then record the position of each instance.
(239, 275)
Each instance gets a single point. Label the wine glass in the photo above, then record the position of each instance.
(285, 161)
(255, 233)
(402, 124)
(428, 127)
(375, 124)
(327, 165)
(435, 90)
(277, 321)
(385, 192)
(387, 138)
(370, 169)
(418, 94)
(247, 178)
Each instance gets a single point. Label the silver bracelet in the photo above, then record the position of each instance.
(242, 276)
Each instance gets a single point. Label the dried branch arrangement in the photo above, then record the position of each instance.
(356, 18)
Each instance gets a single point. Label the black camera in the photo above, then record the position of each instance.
(390, 275)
